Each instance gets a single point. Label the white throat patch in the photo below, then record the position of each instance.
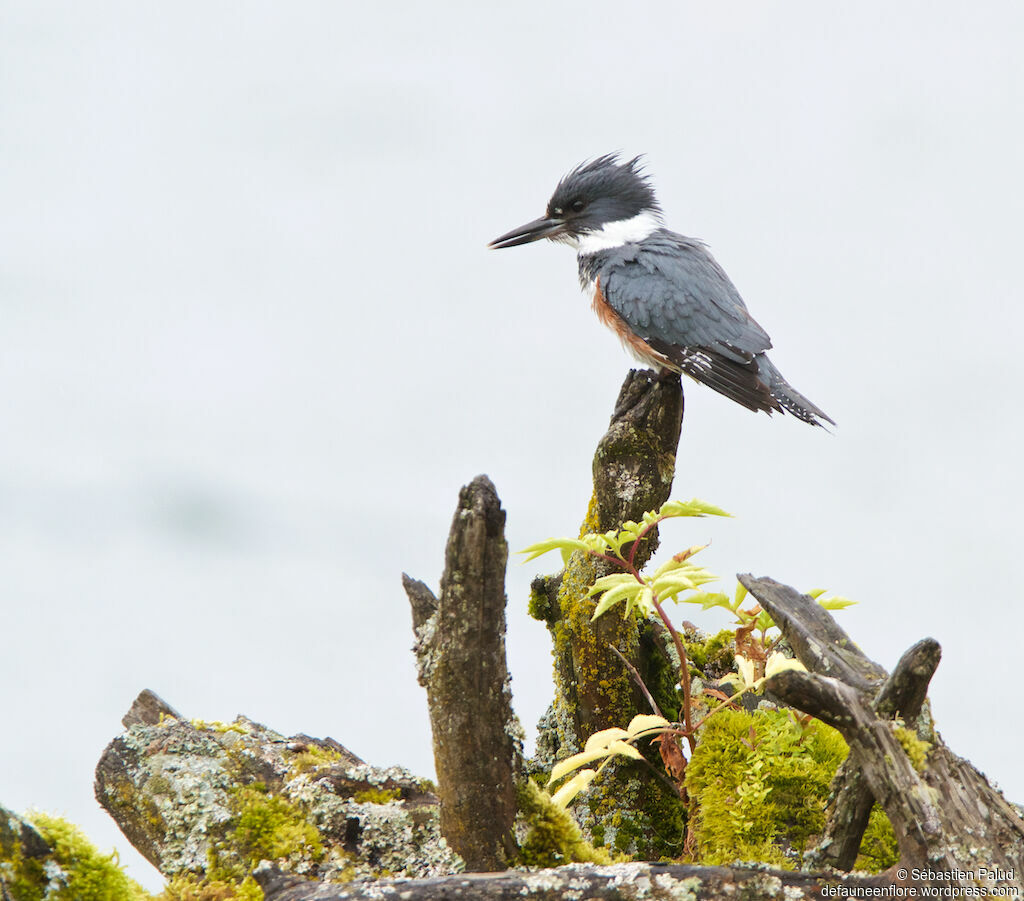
(615, 234)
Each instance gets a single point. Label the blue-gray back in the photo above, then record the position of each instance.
(669, 288)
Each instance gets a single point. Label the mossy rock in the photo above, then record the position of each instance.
(206, 802)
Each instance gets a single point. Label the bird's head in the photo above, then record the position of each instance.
(596, 194)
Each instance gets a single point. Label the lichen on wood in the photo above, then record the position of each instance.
(947, 818)
(209, 801)
(633, 471)
(460, 651)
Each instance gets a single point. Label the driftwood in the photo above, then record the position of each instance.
(460, 652)
(951, 825)
(619, 882)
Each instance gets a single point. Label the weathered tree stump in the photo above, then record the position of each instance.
(460, 640)
(460, 653)
(953, 828)
(633, 470)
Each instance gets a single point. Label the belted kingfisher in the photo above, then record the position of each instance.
(663, 294)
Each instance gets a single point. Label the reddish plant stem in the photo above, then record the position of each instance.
(619, 562)
(684, 673)
(684, 663)
(640, 537)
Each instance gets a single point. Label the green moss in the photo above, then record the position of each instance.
(313, 758)
(714, 656)
(553, 838)
(22, 877)
(377, 796)
(75, 871)
(634, 814)
(539, 604)
(601, 692)
(879, 849)
(191, 888)
(917, 749)
(270, 827)
(264, 826)
(760, 783)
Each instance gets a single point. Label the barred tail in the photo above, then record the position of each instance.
(753, 382)
(788, 398)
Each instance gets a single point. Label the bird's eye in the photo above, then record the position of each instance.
(577, 206)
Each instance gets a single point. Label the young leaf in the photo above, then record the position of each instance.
(552, 544)
(626, 591)
(575, 762)
(836, 603)
(743, 678)
(624, 750)
(694, 507)
(563, 797)
(741, 596)
(596, 543)
(611, 581)
(708, 599)
(678, 561)
(644, 721)
(604, 738)
(629, 531)
(644, 601)
(778, 663)
(673, 583)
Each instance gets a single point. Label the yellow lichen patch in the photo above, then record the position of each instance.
(218, 726)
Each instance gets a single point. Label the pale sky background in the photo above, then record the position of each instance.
(253, 343)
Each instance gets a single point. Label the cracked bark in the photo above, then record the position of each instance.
(460, 651)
